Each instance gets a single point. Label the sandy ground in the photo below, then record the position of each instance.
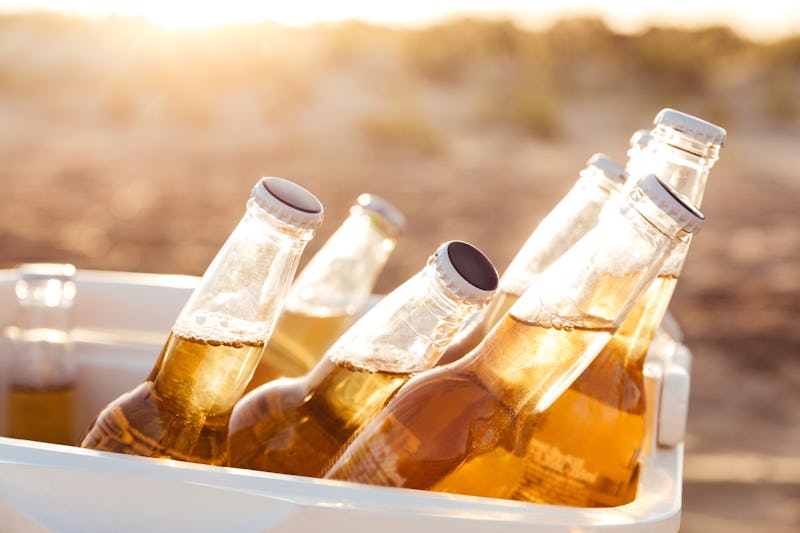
(154, 196)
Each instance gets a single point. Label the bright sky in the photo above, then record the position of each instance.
(760, 19)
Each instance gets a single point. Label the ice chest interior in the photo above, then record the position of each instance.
(120, 321)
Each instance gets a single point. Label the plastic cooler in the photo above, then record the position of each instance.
(121, 321)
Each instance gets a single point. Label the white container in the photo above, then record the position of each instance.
(121, 321)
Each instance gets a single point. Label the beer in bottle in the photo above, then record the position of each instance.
(462, 427)
(571, 218)
(609, 398)
(41, 395)
(181, 410)
(584, 450)
(296, 426)
(329, 292)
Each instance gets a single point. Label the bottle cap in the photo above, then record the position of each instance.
(394, 219)
(640, 138)
(465, 271)
(608, 167)
(672, 203)
(694, 127)
(288, 202)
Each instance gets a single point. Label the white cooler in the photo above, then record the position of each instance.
(121, 321)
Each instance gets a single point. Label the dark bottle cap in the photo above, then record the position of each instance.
(466, 271)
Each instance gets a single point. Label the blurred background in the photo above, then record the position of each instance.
(132, 132)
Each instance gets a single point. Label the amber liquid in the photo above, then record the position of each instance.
(466, 342)
(436, 433)
(296, 426)
(42, 414)
(584, 449)
(183, 412)
(297, 344)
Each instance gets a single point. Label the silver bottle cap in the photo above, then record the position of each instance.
(465, 271)
(640, 139)
(672, 203)
(288, 202)
(394, 219)
(694, 127)
(608, 167)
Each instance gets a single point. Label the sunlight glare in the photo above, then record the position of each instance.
(765, 19)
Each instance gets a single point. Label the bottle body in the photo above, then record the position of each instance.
(164, 417)
(44, 414)
(447, 422)
(449, 429)
(41, 390)
(585, 449)
(297, 426)
(182, 409)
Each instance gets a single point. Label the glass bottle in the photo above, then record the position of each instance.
(461, 428)
(569, 220)
(182, 409)
(329, 292)
(584, 450)
(639, 141)
(42, 367)
(296, 426)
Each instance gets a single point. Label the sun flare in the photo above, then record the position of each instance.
(180, 16)
(764, 19)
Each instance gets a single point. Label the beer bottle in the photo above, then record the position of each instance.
(584, 450)
(296, 426)
(571, 218)
(42, 368)
(639, 141)
(331, 290)
(462, 427)
(182, 409)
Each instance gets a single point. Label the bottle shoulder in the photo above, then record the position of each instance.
(269, 400)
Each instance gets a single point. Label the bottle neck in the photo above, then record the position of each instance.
(341, 275)
(684, 163)
(407, 331)
(570, 220)
(249, 277)
(625, 252)
(217, 338)
(637, 331)
(677, 159)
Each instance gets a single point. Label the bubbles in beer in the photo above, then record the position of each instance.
(447, 418)
(298, 342)
(297, 426)
(183, 412)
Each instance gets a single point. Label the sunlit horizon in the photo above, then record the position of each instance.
(764, 20)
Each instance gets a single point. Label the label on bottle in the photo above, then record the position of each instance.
(376, 461)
